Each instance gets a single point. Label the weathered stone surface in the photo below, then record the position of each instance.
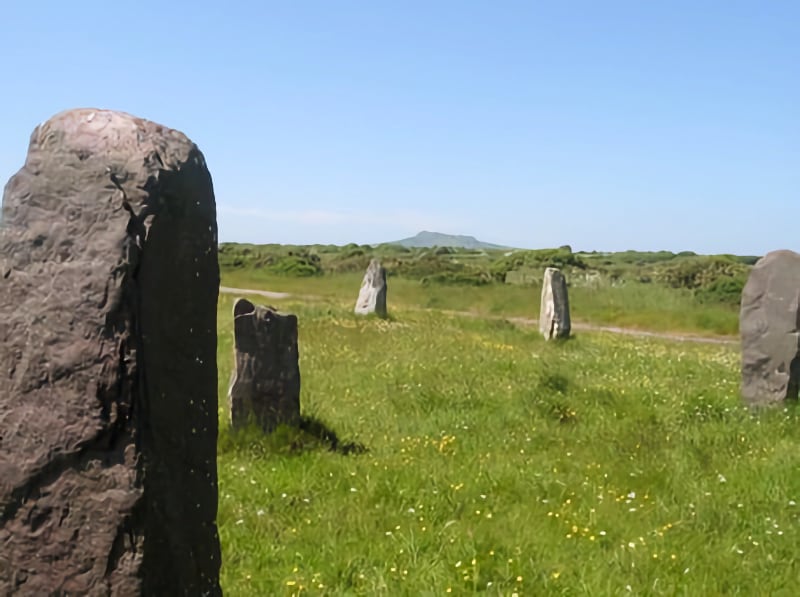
(768, 322)
(372, 296)
(265, 387)
(108, 379)
(554, 319)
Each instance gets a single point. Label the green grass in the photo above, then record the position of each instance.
(496, 462)
(653, 307)
(642, 306)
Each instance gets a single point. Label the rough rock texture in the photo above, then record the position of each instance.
(108, 379)
(554, 311)
(768, 323)
(265, 387)
(372, 296)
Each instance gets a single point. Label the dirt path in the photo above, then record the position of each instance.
(526, 321)
(678, 337)
(266, 293)
(591, 327)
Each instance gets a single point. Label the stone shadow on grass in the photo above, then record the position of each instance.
(310, 434)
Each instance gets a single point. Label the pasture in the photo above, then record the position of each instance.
(473, 456)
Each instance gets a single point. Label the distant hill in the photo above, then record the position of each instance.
(437, 239)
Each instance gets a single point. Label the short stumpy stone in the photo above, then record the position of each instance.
(108, 378)
(372, 296)
(554, 321)
(265, 388)
(769, 323)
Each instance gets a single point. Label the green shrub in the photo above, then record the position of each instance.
(700, 272)
(297, 265)
(562, 258)
(726, 290)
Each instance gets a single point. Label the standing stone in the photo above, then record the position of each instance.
(108, 378)
(554, 311)
(768, 322)
(265, 387)
(372, 296)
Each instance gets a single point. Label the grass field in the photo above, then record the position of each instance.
(640, 306)
(498, 463)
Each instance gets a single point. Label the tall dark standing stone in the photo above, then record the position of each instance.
(554, 320)
(265, 386)
(108, 378)
(372, 296)
(769, 323)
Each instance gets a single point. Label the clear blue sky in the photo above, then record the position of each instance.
(601, 124)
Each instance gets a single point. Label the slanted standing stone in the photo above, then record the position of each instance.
(554, 311)
(265, 387)
(768, 322)
(372, 296)
(108, 406)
